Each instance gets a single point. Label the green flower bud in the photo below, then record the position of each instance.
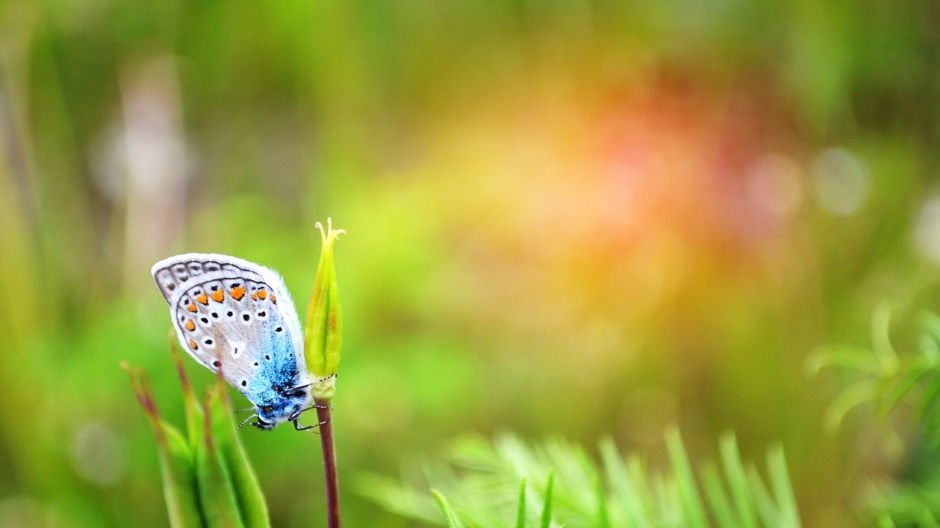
(324, 327)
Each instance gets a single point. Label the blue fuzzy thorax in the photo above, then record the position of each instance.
(274, 388)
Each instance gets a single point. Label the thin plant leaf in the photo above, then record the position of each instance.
(930, 322)
(900, 389)
(549, 494)
(520, 509)
(639, 475)
(623, 488)
(737, 481)
(216, 491)
(860, 392)
(717, 497)
(603, 516)
(881, 340)
(685, 479)
(766, 509)
(848, 357)
(782, 488)
(176, 459)
(452, 520)
(885, 521)
(251, 502)
(194, 415)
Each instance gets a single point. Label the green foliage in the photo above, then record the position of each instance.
(883, 380)
(554, 203)
(482, 477)
(207, 479)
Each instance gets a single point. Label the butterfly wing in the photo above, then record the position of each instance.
(234, 315)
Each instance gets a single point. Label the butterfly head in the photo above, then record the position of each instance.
(286, 406)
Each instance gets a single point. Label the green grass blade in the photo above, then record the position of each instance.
(641, 479)
(846, 357)
(927, 519)
(194, 416)
(216, 491)
(452, 520)
(520, 510)
(179, 481)
(547, 509)
(861, 392)
(766, 509)
(717, 497)
(603, 516)
(251, 502)
(881, 340)
(176, 460)
(622, 487)
(782, 488)
(885, 521)
(685, 480)
(737, 481)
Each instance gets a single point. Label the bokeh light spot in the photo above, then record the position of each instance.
(841, 181)
(927, 230)
(774, 183)
(98, 454)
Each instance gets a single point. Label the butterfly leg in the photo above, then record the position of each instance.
(299, 427)
(293, 417)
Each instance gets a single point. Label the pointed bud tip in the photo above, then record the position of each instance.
(329, 234)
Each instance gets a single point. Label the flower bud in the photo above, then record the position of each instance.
(323, 332)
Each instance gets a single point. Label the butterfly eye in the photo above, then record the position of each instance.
(266, 408)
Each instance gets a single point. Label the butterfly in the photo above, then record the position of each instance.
(237, 317)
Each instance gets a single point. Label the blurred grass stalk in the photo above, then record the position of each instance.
(207, 479)
(323, 340)
(483, 477)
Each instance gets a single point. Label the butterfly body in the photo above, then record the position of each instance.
(237, 317)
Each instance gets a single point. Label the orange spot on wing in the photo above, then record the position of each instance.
(191, 307)
(203, 299)
(238, 293)
(273, 299)
(218, 295)
(192, 345)
(262, 294)
(190, 326)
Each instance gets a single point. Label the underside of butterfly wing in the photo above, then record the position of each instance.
(234, 316)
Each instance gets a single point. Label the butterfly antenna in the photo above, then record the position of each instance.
(246, 421)
(246, 409)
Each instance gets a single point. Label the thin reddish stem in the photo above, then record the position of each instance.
(325, 415)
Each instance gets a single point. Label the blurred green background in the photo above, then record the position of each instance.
(565, 217)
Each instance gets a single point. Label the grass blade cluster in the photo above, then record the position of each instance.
(207, 479)
(882, 379)
(507, 482)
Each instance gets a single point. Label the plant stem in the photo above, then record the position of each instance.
(325, 416)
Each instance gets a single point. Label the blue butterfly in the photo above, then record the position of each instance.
(233, 315)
